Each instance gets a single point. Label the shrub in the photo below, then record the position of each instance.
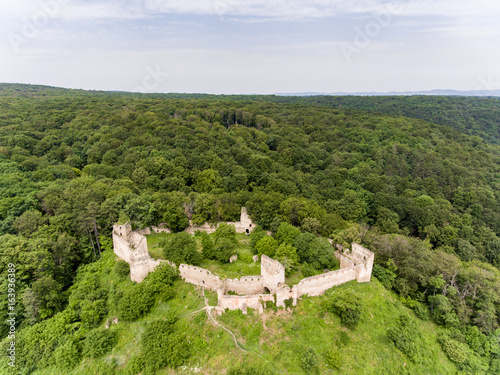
(344, 339)
(121, 269)
(164, 346)
(98, 342)
(135, 365)
(67, 355)
(307, 270)
(135, 302)
(346, 304)
(456, 351)
(406, 337)
(309, 361)
(333, 359)
(163, 276)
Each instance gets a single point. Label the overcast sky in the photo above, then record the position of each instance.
(251, 46)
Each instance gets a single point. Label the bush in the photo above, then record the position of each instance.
(406, 337)
(98, 342)
(309, 361)
(135, 365)
(456, 351)
(344, 339)
(346, 304)
(161, 278)
(333, 359)
(164, 346)
(181, 248)
(121, 269)
(67, 355)
(307, 270)
(135, 302)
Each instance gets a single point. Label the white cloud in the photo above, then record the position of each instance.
(265, 9)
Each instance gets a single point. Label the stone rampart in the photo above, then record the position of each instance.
(199, 276)
(282, 294)
(245, 285)
(242, 302)
(317, 285)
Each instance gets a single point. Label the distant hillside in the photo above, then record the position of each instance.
(462, 111)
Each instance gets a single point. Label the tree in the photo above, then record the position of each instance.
(224, 242)
(266, 245)
(46, 296)
(28, 222)
(255, 237)
(286, 233)
(207, 246)
(181, 248)
(287, 255)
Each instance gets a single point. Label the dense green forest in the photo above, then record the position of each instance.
(419, 192)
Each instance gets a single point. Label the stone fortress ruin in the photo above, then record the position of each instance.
(249, 291)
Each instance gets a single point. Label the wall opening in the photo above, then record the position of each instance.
(247, 231)
(266, 290)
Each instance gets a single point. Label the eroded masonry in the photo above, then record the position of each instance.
(250, 291)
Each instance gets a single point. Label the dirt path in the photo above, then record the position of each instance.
(209, 311)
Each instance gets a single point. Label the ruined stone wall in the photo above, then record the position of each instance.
(199, 276)
(364, 259)
(282, 294)
(161, 228)
(132, 247)
(273, 273)
(344, 260)
(245, 285)
(245, 225)
(122, 248)
(202, 228)
(242, 302)
(317, 285)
